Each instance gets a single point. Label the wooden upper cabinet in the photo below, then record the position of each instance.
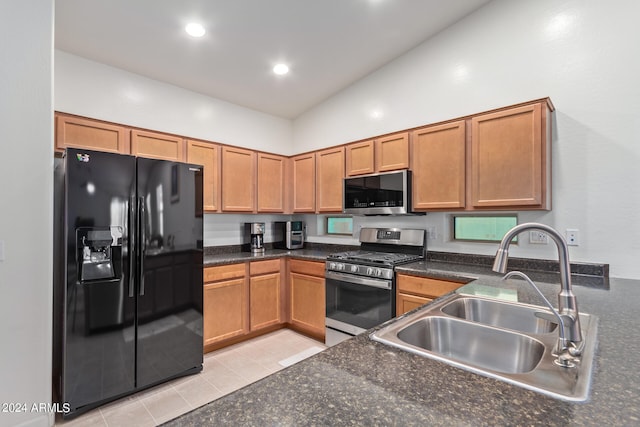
(510, 163)
(360, 158)
(207, 155)
(383, 154)
(77, 132)
(156, 145)
(303, 171)
(271, 172)
(392, 152)
(438, 165)
(329, 179)
(238, 179)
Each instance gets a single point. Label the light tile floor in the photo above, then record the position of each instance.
(225, 370)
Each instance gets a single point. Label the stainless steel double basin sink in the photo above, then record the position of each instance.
(494, 338)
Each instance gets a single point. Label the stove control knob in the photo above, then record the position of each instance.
(332, 266)
(354, 268)
(378, 272)
(340, 266)
(369, 271)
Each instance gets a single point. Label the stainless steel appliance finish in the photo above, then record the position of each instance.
(127, 275)
(288, 234)
(386, 193)
(360, 285)
(518, 352)
(254, 233)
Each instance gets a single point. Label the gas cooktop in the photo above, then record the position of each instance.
(374, 257)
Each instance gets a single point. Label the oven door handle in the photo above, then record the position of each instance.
(349, 278)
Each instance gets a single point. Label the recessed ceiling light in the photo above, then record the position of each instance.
(281, 69)
(195, 29)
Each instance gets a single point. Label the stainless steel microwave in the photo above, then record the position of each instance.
(386, 193)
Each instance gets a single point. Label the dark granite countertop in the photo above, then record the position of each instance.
(211, 260)
(361, 382)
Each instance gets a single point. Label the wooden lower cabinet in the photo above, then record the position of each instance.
(413, 291)
(405, 302)
(307, 297)
(242, 301)
(225, 308)
(264, 302)
(265, 294)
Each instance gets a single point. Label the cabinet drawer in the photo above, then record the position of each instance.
(310, 268)
(223, 272)
(263, 267)
(425, 286)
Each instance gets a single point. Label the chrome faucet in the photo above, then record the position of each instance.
(570, 333)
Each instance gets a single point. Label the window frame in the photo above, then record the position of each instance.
(480, 215)
(326, 225)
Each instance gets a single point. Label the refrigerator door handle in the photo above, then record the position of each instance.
(142, 244)
(132, 245)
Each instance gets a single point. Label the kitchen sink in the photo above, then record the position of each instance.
(497, 339)
(519, 317)
(486, 348)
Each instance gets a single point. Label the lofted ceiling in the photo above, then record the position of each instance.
(327, 44)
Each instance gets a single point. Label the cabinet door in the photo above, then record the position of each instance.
(392, 152)
(307, 303)
(360, 158)
(508, 158)
(90, 134)
(425, 286)
(225, 310)
(405, 302)
(304, 183)
(329, 185)
(270, 183)
(207, 155)
(155, 145)
(264, 304)
(438, 165)
(238, 179)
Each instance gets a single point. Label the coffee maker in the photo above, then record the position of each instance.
(254, 237)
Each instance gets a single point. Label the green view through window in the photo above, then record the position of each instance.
(339, 225)
(483, 228)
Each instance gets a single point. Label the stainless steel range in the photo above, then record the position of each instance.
(360, 285)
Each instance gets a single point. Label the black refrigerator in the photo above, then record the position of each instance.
(127, 275)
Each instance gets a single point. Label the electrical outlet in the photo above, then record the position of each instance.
(573, 236)
(538, 237)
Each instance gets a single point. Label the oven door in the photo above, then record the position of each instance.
(355, 303)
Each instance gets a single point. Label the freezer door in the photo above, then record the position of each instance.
(170, 265)
(94, 296)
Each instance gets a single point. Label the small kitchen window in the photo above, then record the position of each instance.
(483, 228)
(339, 225)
